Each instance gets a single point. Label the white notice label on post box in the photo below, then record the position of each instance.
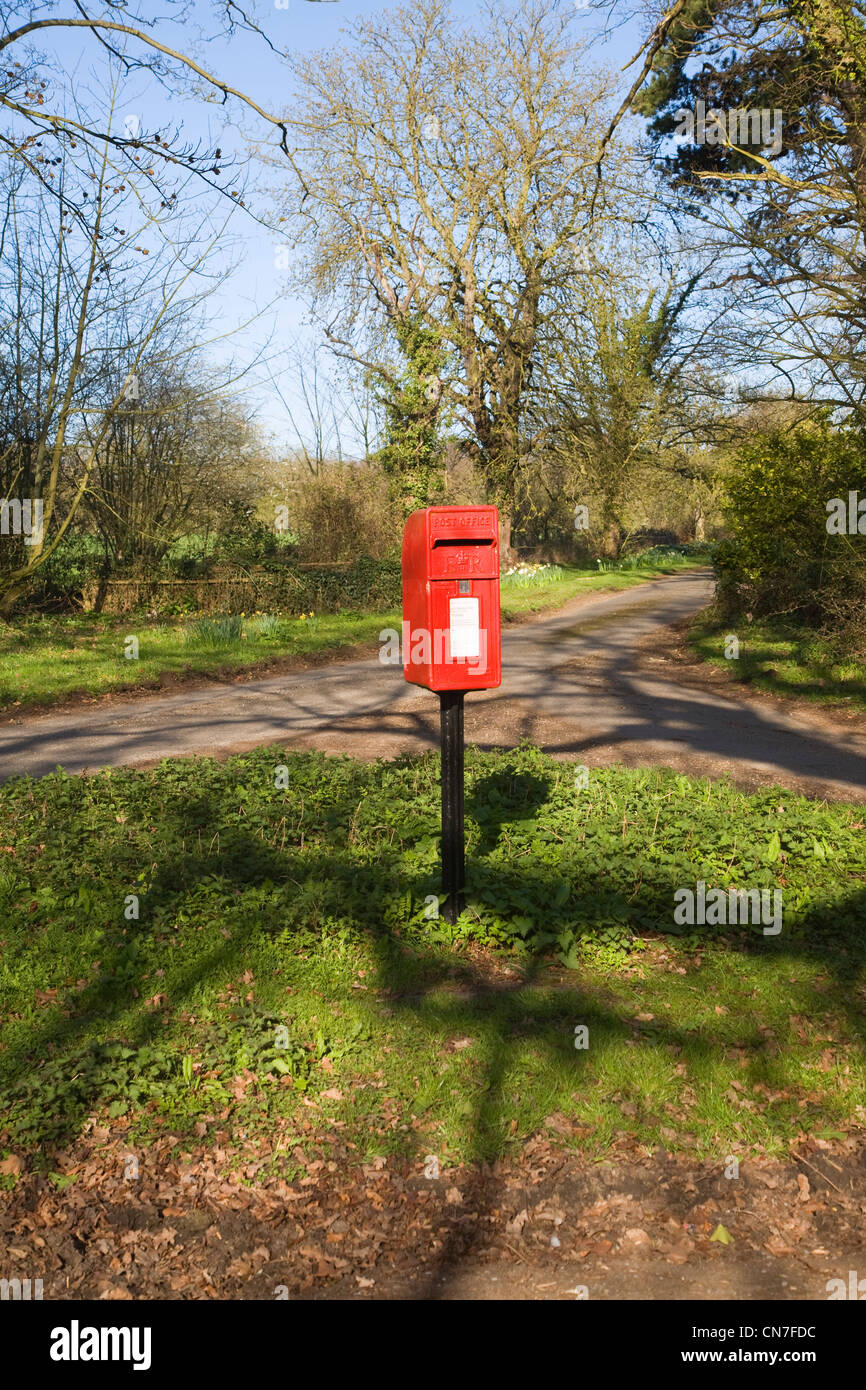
(465, 629)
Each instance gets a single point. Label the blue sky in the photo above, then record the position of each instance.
(254, 286)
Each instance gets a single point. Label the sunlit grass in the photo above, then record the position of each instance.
(783, 660)
(303, 907)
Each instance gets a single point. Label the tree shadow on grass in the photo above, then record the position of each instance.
(498, 798)
(262, 888)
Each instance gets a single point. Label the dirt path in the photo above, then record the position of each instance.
(600, 681)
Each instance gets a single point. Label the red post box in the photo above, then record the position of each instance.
(451, 598)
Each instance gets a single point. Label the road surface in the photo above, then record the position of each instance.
(581, 683)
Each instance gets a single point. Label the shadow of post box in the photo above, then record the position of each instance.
(451, 598)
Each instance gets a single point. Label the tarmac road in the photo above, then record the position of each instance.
(577, 682)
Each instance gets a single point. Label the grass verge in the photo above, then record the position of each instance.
(783, 661)
(194, 943)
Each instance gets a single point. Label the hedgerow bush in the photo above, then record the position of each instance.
(274, 585)
(780, 560)
(77, 562)
(344, 510)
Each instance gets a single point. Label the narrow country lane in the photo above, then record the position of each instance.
(578, 682)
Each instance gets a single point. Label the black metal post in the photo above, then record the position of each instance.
(453, 849)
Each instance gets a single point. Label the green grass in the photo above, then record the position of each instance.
(45, 660)
(566, 582)
(783, 660)
(281, 955)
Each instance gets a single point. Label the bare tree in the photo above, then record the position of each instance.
(441, 171)
(177, 457)
(79, 308)
(622, 400)
(329, 410)
(45, 123)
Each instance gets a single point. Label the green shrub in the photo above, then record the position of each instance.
(248, 540)
(779, 559)
(77, 562)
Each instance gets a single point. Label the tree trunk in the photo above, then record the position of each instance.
(506, 554)
(612, 542)
(9, 599)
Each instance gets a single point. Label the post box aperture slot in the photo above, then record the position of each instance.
(467, 540)
(467, 557)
